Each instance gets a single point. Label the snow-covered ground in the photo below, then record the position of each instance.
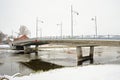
(91, 72)
(4, 46)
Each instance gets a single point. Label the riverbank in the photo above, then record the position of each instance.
(91, 72)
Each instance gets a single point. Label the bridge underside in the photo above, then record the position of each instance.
(21, 45)
(19, 48)
(25, 45)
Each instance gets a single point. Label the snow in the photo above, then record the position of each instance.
(4, 46)
(91, 72)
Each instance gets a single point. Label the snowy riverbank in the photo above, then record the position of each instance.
(4, 46)
(91, 72)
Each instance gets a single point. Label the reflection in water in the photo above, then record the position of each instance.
(25, 68)
(9, 68)
(39, 65)
(1, 63)
(12, 62)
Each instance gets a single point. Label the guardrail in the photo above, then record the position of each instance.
(117, 37)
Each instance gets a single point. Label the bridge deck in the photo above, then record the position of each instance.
(70, 42)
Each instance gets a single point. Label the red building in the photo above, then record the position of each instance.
(22, 37)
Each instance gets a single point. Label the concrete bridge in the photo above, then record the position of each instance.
(78, 43)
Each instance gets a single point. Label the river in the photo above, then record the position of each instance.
(14, 61)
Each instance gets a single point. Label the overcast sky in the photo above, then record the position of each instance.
(14, 13)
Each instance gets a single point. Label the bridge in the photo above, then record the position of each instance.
(78, 43)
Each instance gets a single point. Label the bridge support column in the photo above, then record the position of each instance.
(36, 50)
(26, 49)
(79, 55)
(91, 54)
(81, 58)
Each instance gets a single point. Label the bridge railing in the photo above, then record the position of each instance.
(116, 37)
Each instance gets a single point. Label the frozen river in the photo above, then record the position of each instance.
(12, 61)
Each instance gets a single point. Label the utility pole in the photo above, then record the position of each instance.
(72, 29)
(37, 20)
(96, 26)
(12, 33)
(95, 21)
(36, 27)
(71, 21)
(60, 29)
(41, 32)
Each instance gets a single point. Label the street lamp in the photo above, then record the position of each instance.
(60, 28)
(72, 11)
(37, 20)
(95, 19)
(40, 30)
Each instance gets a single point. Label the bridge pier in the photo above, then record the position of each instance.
(91, 55)
(36, 50)
(27, 49)
(81, 58)
(79, 55)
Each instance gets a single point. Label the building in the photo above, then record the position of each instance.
(22, 37)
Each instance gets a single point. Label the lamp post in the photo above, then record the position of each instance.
(72, 11)
(95, 19)
(41, 32)
(37, 27)
(60, 29)
(12, 33)
(71, 21)
(37, 20)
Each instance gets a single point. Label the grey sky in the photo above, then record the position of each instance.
(14, 13)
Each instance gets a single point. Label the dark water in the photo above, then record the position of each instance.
(12, 62)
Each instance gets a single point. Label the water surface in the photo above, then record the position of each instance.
(12, 61)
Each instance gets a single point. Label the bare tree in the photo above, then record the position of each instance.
(23, 30)
(2, 36)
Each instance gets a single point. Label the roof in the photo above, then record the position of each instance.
(23, 37)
